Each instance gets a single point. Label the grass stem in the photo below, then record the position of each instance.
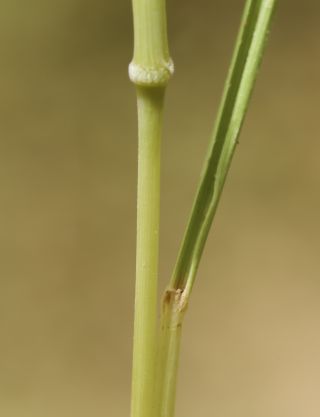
(245, 62)
(150, 104)
(150, 71)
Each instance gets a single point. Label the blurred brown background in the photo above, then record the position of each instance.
(251, 345)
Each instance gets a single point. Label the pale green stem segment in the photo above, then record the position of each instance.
(173, 310)
(151, 64)
(150, 105)
(248, 52)
(150, 71)
(243, 70)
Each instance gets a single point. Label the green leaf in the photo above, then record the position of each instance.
(237, 91)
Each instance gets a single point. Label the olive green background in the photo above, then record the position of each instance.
(251, 343)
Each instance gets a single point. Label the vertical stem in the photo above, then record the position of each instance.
(150, 105)
(173, 310)
(150, 71)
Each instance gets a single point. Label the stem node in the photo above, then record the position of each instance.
(151, 76)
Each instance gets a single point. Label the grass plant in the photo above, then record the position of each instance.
(156, 342)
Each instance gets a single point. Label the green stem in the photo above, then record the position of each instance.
(238, 87)
(150, 105)
(150, 71)
(151, 64)
(173, 309)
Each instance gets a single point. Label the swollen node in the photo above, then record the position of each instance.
(151, 76)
